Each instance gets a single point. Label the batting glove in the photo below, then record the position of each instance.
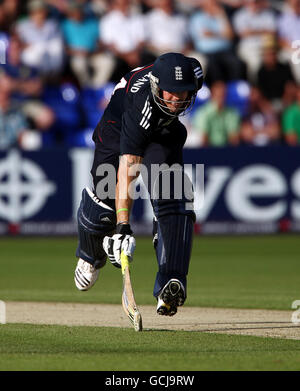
(121, 241)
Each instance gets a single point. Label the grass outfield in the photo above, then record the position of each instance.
(238, 272)
(60, 348)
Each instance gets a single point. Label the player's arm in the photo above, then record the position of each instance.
(123, 239)
(129, 169)
(133, 141)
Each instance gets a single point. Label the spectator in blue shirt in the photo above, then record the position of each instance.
(81, 36)
(26, 86)
(212, 37)
(79, 33)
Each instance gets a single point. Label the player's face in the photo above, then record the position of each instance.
(173, 100)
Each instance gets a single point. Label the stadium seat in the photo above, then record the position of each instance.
(238, 95)
(64, 100)
(202, 97)
(94, 102)
(82, 138)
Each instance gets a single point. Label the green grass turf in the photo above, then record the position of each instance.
(237, 272)
(27, 347)
(246, 272)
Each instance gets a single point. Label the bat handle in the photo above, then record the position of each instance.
(124, 262)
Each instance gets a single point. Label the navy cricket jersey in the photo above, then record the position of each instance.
(132, 119)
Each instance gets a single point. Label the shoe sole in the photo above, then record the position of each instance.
(81, 282)
(173, 297)
(167, 310)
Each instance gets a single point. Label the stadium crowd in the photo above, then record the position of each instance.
(60, 60)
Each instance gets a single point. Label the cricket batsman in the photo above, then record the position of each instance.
(140, 126)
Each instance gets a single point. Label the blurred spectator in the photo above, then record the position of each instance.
(275, 79)
(212, 35)
(217, 123)
(289, 36)
(26, 86)
(253, 23)
(261, 125)
(91, 8)
(57, 8)
(166, 30)
(123, 35)
(146, 5)
(81, 36)
(4, 38)
(9, 12)
(98, 7)
(12, 121)
(231, 6)
(291, 122)
(42, 39)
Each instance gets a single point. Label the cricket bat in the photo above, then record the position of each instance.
(128, 300)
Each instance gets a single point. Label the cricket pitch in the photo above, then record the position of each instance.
(256, 322)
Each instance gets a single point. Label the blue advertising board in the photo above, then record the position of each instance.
(246, 190)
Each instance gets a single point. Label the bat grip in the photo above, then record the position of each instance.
(124, 262)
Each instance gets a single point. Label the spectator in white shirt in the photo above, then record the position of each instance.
(122, 33)
(166, 30)
(253, 24)
(42, 38)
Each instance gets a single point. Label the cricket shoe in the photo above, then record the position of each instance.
(85, 275)
(172, 296)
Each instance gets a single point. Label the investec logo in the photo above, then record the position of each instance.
(24, 188)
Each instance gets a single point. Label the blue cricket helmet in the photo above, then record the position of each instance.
(173, 72)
